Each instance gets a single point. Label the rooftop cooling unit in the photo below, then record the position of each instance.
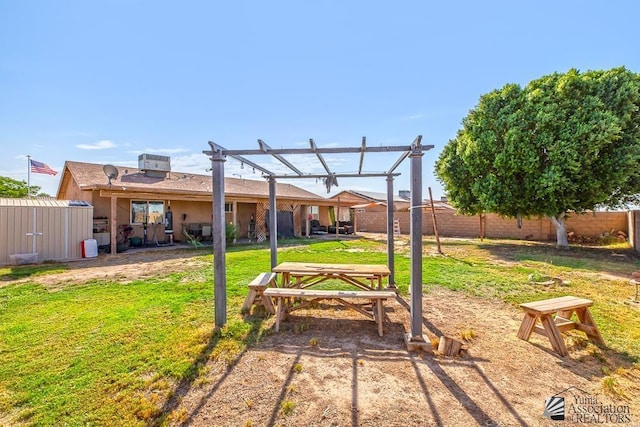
(154, 165)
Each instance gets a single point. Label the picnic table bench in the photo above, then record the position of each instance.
(311, 295)
(256, 292)
(555, 316)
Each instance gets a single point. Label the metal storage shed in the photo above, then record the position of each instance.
(43, 229)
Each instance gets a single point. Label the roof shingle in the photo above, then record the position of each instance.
(91, 176)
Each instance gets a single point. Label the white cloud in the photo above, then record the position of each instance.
(417, 116)
(196, 163)
(99, 145)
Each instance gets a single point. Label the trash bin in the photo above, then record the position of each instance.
(89, 248)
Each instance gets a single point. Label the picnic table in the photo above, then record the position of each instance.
(555, 316)
(298, 277)
(306, 274)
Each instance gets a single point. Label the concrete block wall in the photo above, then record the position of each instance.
(597, 223)
(453, 225)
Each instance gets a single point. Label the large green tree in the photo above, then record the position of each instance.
(564, 143)
(12, 188)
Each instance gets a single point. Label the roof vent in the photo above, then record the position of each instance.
(154, 165)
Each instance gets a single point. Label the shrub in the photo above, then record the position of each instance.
(231, 233)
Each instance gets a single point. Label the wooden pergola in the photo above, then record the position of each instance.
(414, 152)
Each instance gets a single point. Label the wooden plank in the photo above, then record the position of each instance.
(526, 327)
(279, 307)
(587, 329)
(554, 335)
(323, 293)
(540, 330)
(563, 327)
(268, 304)
(547, 306)
(263, 279)
(248, 302)
(565, 314)
(556, 304)
(256, 289)
(564, 323)
(375, 297)
(306, 268)
(379, 315)
(589, 325)
(448, 346)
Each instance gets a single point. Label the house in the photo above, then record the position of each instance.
(360, 202)
(141, 201)
(371, 201)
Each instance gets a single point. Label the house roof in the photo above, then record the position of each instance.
(368, 205)
(370, 195)
(90, 176)
(437, 204)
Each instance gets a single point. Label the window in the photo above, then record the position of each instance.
(228, 207)
(145, 211)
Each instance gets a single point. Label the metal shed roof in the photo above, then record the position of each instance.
(43, 202)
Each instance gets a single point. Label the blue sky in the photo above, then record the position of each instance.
(105, 81)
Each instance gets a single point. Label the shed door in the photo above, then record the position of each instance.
(33, 231)
(47, 233)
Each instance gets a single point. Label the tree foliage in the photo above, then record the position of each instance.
(14, 189)
(565, 142)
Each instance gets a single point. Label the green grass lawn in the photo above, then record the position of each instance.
(112, 353)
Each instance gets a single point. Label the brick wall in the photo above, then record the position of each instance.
(453, 225)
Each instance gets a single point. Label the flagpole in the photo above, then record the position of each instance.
(28, 175)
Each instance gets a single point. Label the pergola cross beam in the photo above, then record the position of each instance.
(319, 155)
(340, 175)
(362, 151)
(264, 147)
(224, 152)
(321, 150)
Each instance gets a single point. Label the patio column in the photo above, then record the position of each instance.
(234, 214)
(390, 237)
(273, 222)
(416, 241)
(218, 237)
(336, 215)
(113, 226)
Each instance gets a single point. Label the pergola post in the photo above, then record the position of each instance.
(390, 237)
(273, 222)
(416, 339)
(219, 240)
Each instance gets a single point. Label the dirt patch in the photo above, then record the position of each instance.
(124, 267)
(329, 367)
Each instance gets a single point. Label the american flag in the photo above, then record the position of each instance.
(38, 167)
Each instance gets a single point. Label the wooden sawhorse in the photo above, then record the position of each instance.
(555, 316)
